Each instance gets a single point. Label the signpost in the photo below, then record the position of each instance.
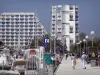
(46, 41)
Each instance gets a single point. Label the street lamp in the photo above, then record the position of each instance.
(80, 46)
(77, 46)
(92, 33)
(84, 40)
(86, 37)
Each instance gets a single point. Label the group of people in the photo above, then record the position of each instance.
(83, 58)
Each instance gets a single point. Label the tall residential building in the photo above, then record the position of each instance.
(65, 23)
(17, 28)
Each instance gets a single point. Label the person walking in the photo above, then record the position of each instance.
(83, 57)
(73, 58)
(66, 56)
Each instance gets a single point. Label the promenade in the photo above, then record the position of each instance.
(65, 68)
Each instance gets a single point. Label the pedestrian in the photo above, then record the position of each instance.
(73, 58)
(99, 60)
(84, 57)
(66, 56)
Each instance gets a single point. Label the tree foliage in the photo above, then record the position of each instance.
(82, 35)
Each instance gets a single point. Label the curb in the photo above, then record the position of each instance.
(58, 65)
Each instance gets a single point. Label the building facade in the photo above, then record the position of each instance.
(17, 28)
(64, 25)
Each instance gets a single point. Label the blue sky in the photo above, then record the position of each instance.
(89, 11)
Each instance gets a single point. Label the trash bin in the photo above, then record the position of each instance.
(93, 63)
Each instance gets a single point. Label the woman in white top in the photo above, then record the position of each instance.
(73, 61)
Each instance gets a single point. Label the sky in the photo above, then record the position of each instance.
(89, 11)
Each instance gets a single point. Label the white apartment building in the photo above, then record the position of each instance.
(17, 28)
(64, 23)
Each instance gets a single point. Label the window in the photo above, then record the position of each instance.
(8, 42)
(35, 29)
(26, 22)
(59, 16)
(3, 39)
(3, 29)
(59, 10)
(17, 22)
(71, 7)
(71, 41)
(30, 29)
(16, 15)
(59, 28)
(31, 15)
(3, 25)
(53, 28)
(26, 19)
(26, 29)
(7, 39)
(21, 32)
(40, 29)
(21, 25)
(31, 26)
(12, 15)
(71, 29)
(76, 19)
(12, 22)
(21, 15)
(35, 22)
(16, 19)
(12, 29)
(21, 36)
(26, 15)
(39, 32)
(21, 19)
(16, 25)
(53, 32)
(71, 17)
(26, 25)
(76, 8)
(53, 24)
(22, 22)
(30, 19)
(7, 32)
(76, 30)
(76, 16)
(12, 25)
(17, 29)
(7, 15)
(12, 40)
(76, 24)
(12, 19)
(53, 16)
(7, 25)
(76, 13)
(31, 22)
(59, 32)
(7, 22)
(21, 42)
(7, 19)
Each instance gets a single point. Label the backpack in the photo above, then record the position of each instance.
(84, 57)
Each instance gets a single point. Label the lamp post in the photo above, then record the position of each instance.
(80, 46)
(92, 33)
(77, 46)
(84, 40)
(86, 37)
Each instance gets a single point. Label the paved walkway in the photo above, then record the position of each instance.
(66, 68)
